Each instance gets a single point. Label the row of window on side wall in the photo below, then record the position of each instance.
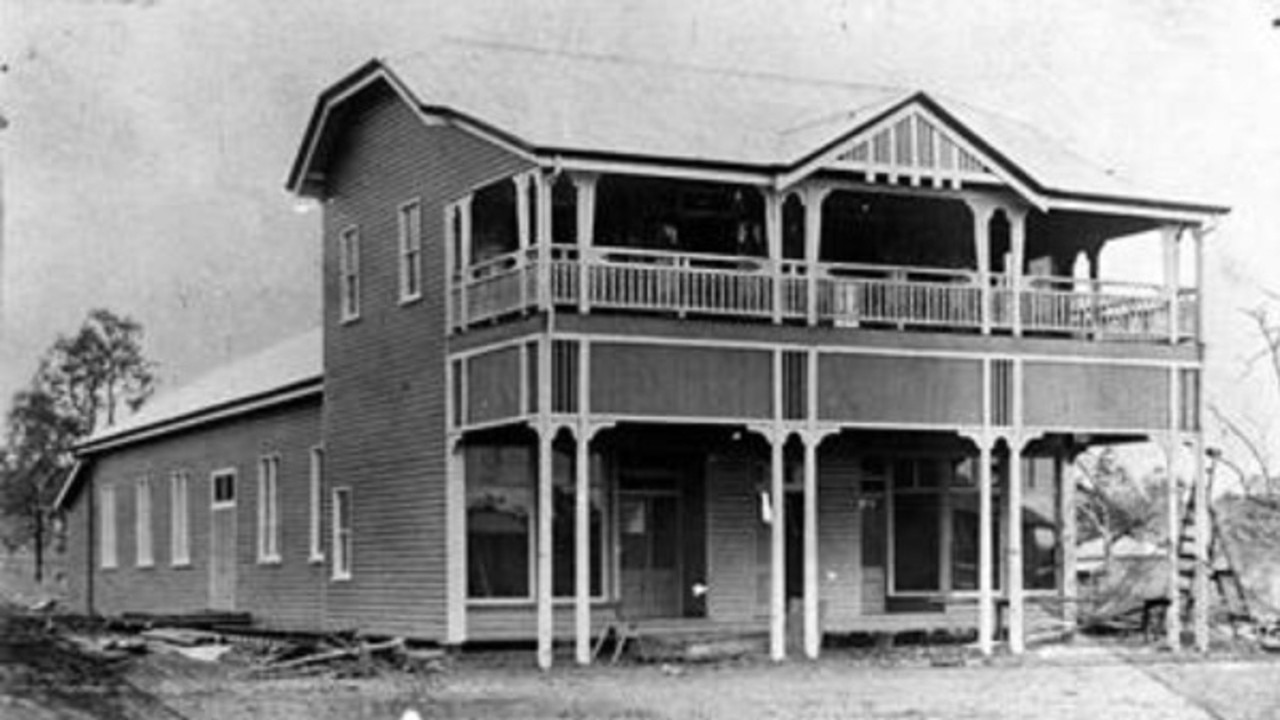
(223, 499)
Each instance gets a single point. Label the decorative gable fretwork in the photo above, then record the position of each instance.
(912, 146)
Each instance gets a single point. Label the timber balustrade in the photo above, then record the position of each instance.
(842, 294)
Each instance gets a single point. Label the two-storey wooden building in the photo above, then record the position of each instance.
(611, 338)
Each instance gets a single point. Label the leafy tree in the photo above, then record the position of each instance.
(81, 385)
(95, 372)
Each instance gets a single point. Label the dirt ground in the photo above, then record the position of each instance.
(1080, 680)
(44, 675)
(1084, 684)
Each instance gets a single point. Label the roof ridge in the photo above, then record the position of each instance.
(623, 59)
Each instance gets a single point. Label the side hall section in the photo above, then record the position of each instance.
(227, 516)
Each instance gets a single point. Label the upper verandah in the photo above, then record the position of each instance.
(607, 114)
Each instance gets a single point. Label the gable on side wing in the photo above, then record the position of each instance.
(915, 145)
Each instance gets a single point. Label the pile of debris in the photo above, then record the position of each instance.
(342, 655)
(231, 640)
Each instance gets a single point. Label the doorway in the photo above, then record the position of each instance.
(222, 542)
(651, 536)
(794, 527)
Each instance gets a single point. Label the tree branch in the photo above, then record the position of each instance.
(1249, 443)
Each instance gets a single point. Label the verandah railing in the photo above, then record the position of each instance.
(850, 295)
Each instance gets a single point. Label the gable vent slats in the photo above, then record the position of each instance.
(913, 147)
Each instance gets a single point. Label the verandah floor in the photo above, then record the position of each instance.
(887, 623)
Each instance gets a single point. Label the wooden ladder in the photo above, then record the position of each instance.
(1222, 569)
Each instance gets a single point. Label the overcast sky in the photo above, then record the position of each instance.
(149, 140)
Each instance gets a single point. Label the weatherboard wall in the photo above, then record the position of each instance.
(384, 418)
(287, 594)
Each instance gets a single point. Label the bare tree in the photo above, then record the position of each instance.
(1249, 436)
(1112, 503)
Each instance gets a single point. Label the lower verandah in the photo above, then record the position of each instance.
(681, 530)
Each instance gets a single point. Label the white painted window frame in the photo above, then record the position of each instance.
(315, 519)
(215, 503)
(180, 518)
(108, 551)
(144, 543)
(343, 537)
(609, 569)
(269, 509)
(349, 274)
(409, 219)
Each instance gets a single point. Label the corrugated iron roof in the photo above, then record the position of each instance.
(290, 363)
(575, 103)
(586, 103)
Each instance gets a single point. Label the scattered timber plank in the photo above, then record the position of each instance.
(182, 637)
(204, 620)
(331, 655)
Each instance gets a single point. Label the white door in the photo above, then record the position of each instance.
(222, 542)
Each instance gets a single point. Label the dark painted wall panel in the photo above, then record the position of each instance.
(1097, 396)
(870, 388)
(493, 385)
(681, 381)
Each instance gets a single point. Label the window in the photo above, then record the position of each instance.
(501, 511)
(1041, 524)
(494, 228)
(349, 274)
(342, 534)
(224, 488)
(179, 515)
(314, 520)
(500, 506)
(965, 528)
(410, 251)
(455, 236)
(142, 536)
(935, 524)
(107, 526)
(564, 561)
(269, 509)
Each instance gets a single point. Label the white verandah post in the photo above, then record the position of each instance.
(986, 547)
(812, 628)
(983, 210)
(1169, 239)
(543, 185)
(1173, 616)
(582, 545)
(1017, 252)
(773, 242)
(1198, 234)
(1200, 622)
(582, 511)
(985, 439)
(523, 233)
(546, 506)
(1013, 560)
(777, 548)
(456, 540)
(585, 184)
(814, 196)
(1068, 585)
